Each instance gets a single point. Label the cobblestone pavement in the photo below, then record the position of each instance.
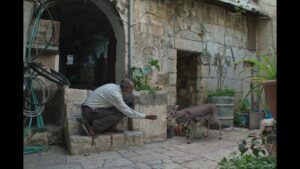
(174, 153)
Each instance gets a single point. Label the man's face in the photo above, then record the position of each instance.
(128, 90)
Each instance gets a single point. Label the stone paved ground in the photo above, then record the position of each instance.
(174, 153)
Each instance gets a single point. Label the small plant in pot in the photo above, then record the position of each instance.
(264, 80)
(241, 117)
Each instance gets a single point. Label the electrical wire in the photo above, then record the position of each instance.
(49, 74)
(30, 76)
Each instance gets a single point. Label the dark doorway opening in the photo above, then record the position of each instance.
(87, 44)
(186, 86)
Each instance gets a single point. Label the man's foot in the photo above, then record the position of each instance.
(90, 131)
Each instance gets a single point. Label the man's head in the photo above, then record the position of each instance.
(126, 86)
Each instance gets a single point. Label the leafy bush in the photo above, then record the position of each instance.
(243, 105)
(248, 162)
(237, 122)
(141, 77)
(253, 155)
(265, 68)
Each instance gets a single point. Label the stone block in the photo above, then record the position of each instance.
(169, 66)
(213, 49)
(144, 98)
(123, 124)
(214, 33)
(153, 29)
(168, 30)
(38, 138)
(172, 98)
(117, 141)
(73, 109)
(234, 38)
(75, 95)
(155, 130)
(55, 134)
(132, 138)
(105, 142)
(73, 126)
(83, 144)
(187, 34)
(171, 53)
(188, 45)
(172, 78)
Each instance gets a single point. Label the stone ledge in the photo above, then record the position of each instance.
(79, 144)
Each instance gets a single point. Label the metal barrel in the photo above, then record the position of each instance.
(225, 107)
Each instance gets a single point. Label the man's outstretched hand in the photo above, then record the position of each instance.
(151, 117)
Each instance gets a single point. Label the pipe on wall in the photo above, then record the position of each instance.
(130, 36)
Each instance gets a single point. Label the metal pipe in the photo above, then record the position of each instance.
(130, 45)
(27, 15)
(130, 37)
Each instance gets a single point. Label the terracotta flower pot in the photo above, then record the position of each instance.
(270, 88)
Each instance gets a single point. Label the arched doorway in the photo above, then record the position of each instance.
(91, 43)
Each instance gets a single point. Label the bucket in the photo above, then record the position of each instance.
(170, 132)
(225, 109)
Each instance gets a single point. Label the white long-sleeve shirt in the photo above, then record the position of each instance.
(110, 95)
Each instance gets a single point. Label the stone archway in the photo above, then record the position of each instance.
(118, 27)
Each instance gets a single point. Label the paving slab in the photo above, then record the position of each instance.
(174, 153)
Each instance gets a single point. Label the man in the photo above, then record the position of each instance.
(104, 108)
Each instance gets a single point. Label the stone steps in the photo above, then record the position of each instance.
(84, 144)
(145, 131)
(51, 134)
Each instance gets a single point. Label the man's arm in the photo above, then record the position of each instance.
(118, 102)
(151, 117)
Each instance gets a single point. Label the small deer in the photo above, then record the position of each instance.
(196, 113)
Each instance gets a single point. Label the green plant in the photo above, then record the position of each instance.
(220, 92)
(142, 76)
(265, 68)
(247, 162)
(243, 105)
(237, 121)
(257, 157)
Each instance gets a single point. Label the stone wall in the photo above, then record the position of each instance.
(154, 130)
(27, 11)
(161, 28)
(267, 27)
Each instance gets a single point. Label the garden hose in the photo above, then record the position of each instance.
(35, 149)
(38, 148)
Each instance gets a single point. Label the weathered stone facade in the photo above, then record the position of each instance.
(162, 28)
(166, 30)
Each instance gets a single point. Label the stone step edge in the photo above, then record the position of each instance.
(79, 144)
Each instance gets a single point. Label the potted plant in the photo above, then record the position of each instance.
(264, 80)
(224, 101)
(241, 118)
(171, 123)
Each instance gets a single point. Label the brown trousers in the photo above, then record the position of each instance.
(102, 118)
